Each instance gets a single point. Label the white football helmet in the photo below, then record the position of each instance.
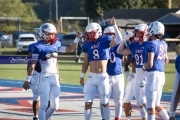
(38, 34)
(155, 28)
(109, 30)
(47, 28)
(142, 28)
(94, 28)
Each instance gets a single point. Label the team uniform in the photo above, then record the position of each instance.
(155, 74)
(116, 79)
(97, 50)
(49, 87)
(173, 105)
(139, 54)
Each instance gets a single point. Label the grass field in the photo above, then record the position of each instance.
(69, 71)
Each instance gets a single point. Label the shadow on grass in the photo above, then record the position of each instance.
(69, 63)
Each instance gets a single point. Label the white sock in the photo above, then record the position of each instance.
(49, 113)
(151, 117)
(118, 109)
(128, 118)
(87, 114)
(164, 114)
(106, 112)
(143, 112)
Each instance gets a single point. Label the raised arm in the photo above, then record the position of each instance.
(118, 35)
(122, 49)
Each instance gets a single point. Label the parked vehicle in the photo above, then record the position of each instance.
(23, 41)
(6, 40)
(67, 39)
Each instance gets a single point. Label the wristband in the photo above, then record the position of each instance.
(171, 114)
(28, 78)
(76, 40)
(82, 75)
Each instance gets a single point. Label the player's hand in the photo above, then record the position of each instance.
(81, 81)
(112, 21)
(26, 85)
(78, 34)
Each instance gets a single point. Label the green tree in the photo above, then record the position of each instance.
(15, 8)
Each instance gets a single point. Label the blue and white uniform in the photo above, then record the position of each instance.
(176, 84)
(155, 75)
(116, 79)
(139, 53)
(35, 76)
(49, 86)
(98, 50)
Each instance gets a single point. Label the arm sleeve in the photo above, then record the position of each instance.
(118, 35)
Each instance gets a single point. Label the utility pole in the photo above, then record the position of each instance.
(169, 4)
(56, 14)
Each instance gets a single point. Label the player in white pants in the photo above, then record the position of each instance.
(116, 78)
(129, 89)
(96, 50)
(157, 57)
(138, 51)
(130, 77)
(46, 52)
(176, 92)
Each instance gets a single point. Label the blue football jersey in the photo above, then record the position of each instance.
(177, 64)
(115, 66)
(98, 50)
(159, 48)
(38, 66)
(139, 53)
(46, 50)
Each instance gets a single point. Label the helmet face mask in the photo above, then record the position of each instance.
(140, 32)
(93, 31)
(47, 30)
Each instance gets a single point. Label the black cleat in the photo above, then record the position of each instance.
(35, 118)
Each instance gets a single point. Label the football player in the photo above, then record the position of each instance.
(157, 57)
(138, 51)
(130, 77)
(96, 50)
(46, 52)
(116, 77)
